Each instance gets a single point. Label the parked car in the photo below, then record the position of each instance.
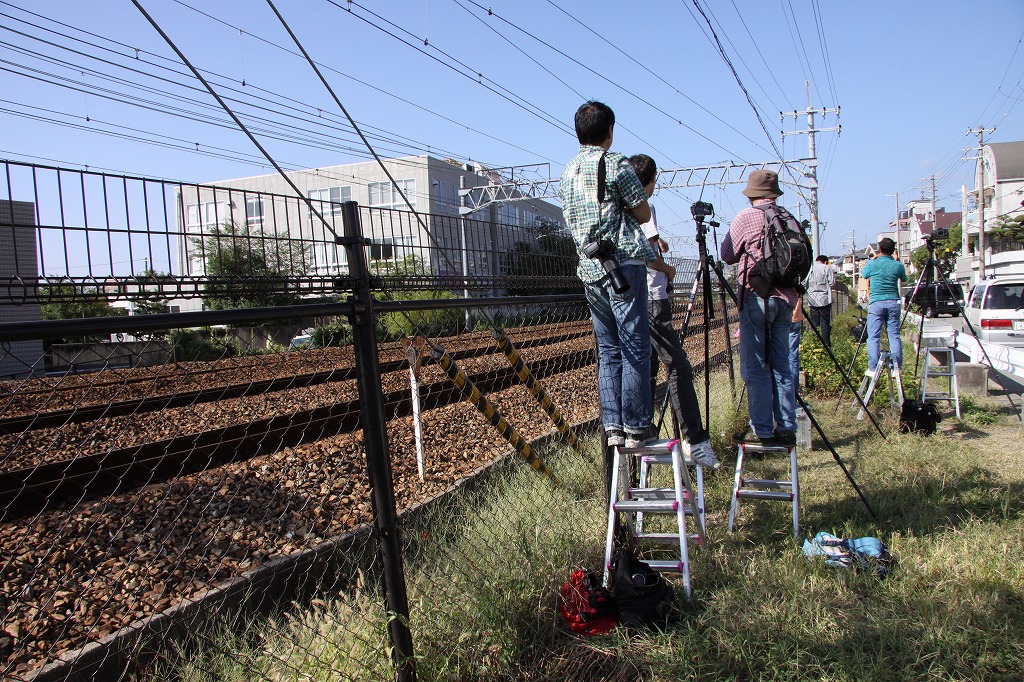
(996, 310)
(936, 299)
(303, 339)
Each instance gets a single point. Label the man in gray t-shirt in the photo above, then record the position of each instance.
(819, 284)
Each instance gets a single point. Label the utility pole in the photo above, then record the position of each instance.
(899, 238)
(980, 132)
(812, 160)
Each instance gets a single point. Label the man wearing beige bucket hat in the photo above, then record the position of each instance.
(764, 322)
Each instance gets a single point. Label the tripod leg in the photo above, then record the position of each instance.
(835, 455)
(849, 372)
(846, 378)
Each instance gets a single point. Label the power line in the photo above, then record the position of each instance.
(139, 55)
(473, 75)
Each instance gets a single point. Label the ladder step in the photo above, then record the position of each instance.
(666, 565)
(757, 447)
(651, 506)
(654, 493)
(664, 459)
(767, 484)
(667, 538)
(655, 447)
(764, 495)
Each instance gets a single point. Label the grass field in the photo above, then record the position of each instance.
(484, 569)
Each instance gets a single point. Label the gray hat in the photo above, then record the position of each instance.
(763, 184)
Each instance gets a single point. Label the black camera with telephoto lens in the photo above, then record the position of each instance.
(701, 210)
(940, 233)
(604, 251)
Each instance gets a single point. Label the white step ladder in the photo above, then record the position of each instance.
(940, 362)
(870, 383)
(744, 488)
(646, 499)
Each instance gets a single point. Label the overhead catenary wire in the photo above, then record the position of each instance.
(473, 75)
(602, 76)
(181, 55)
(139, 55)
(318, 120)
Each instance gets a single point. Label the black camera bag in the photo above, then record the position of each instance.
(643, 597)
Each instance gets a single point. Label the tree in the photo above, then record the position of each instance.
(72, 302)
(249, 268)
(554, 256)
(947, 251)
(1010, 229)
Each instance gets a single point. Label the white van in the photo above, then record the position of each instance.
(995, 309)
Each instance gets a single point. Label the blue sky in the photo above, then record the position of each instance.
(501, 88)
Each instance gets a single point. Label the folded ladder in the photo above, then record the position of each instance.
(647, 499)
(765, 489)
(933, 367)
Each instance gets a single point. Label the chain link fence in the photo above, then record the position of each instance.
(363, 450)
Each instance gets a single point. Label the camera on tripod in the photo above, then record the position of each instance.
(940, 233)
(604, 251)
(701, 210)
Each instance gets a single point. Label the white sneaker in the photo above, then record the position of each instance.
(702, 454)
(616, 439)
(870, 373)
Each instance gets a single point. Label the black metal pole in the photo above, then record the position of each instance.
(375, 442)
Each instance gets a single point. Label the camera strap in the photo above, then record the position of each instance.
(602, 178)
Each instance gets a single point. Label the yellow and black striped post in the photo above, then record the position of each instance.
(473, 395)
(536, 388)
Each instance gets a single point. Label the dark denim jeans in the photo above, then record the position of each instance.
(667, 346)
(624, 351)
(770, 395)
(820, 318)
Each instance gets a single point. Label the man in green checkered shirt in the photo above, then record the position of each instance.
(620, 319)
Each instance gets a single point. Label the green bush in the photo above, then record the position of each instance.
(335, 333)
(189, 346)
(439, 322)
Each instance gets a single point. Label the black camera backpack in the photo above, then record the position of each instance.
(786, 253)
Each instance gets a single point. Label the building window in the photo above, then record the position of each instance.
(207, 214)
(386, 195)
(446, 195)
(395, 249)
(254, 211)
(330, 199)
(507, 214)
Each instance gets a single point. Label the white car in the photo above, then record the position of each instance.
(995, 309)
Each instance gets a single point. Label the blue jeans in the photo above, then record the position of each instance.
(769, 379)
(884, 313)
(795, 331)
(623, 351)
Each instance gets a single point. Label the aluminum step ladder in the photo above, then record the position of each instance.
(744, 488)
(940, 362)
(870, 382)
(647, 499)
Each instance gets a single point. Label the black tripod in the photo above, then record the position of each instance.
(702, 282)
(928, 273)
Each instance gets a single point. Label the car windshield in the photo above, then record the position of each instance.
(1005, 296)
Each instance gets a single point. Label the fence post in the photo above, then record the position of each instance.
(375, 442)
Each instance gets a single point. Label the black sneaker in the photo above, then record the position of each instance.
(786, 438)
(747, 436)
